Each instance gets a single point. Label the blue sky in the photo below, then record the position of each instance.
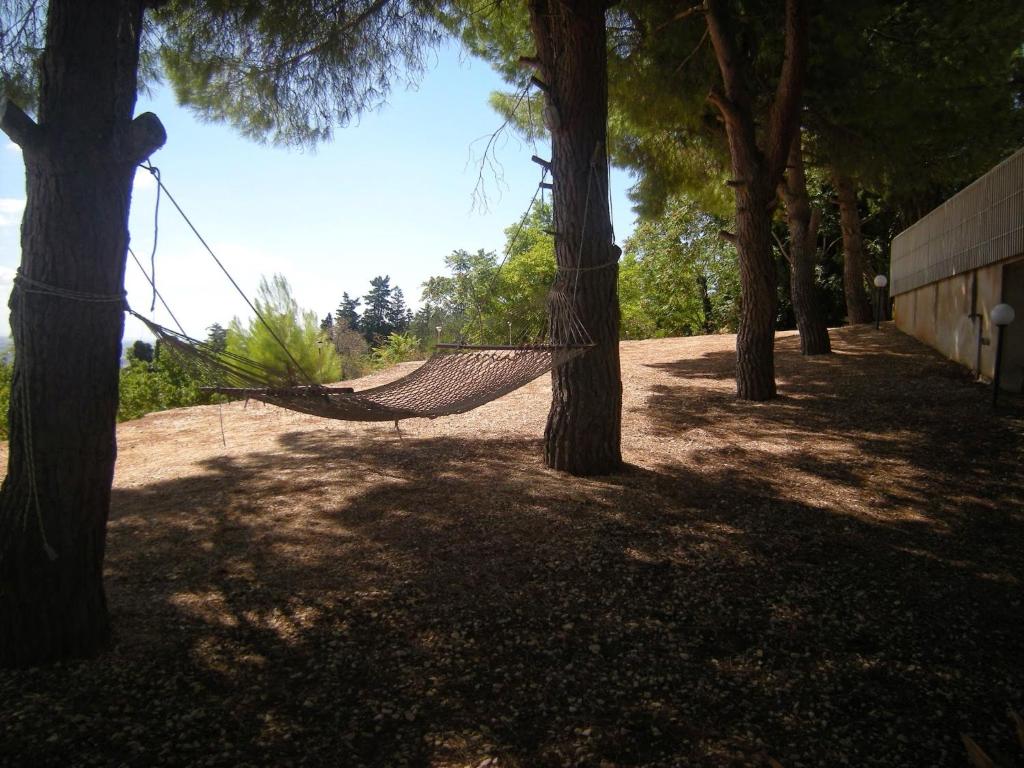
(390, 195)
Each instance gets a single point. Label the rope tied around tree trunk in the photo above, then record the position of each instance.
(28, 285)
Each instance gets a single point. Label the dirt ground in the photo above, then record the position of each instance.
(832, 578)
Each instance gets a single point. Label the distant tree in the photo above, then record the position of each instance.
(217, 337)
(375, 324)
(297, 329)
(351, 348)
(327, 323)
(462, 302)
(678, 277)
(142, 350)
(347, 313)
(399, 316)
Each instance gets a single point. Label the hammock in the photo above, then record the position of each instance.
(455, 379)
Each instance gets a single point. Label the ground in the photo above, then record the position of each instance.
(832, 578)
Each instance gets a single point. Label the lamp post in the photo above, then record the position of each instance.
(510, 333)
(438, 329)
(1001, 316)
(880, 282)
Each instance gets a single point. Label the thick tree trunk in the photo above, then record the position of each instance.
(858, 308)
(755, 339)
(585, 422)
(67, 320)
(757, 169)
(803, 233)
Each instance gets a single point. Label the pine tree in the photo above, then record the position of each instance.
(375, 323)
(347, 313)
(217, 337)
(399, 315)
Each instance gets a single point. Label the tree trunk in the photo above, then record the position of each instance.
(803, 234)
(858, 308)
(67, 320)
(755, 338)
(757, 169)
(585, 421)
(707, 307)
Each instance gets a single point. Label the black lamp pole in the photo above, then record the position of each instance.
(1001, 316)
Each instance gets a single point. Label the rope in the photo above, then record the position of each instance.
(28, 285)
(583, 229)
(508, 249)
(227, 274)
(156, 292)
(156, 232)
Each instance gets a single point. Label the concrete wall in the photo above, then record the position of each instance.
(939, 315)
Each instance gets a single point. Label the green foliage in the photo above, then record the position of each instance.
(6, 376)
(156, 386)
(376, 322)
(217, 337)
(461, 303)
(398, 348)
(347, 312)
(678, 277)
(289, 70)
(298, 330)
(21, 43)
(916, 99)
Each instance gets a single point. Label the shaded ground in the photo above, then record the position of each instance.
(829, 579)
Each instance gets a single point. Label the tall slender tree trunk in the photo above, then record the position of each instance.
(585, 421)
(757, 169)
(708, 309)
(858, 308)
(803, 233)
(67, 320)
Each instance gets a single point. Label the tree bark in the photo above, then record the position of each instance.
(67, 320)
(584, 425)
(858, 308)
(803, 234)
(757, 169)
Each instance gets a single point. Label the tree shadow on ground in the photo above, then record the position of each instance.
(384, 602)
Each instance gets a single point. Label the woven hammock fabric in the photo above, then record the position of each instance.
(447, 383)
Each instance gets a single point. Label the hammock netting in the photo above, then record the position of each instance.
(456, 379)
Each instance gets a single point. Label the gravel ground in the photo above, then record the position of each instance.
(829, 579)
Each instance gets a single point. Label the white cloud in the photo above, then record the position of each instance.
(10, 146)
(10, 211)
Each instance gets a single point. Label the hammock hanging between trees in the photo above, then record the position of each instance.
(455, 379)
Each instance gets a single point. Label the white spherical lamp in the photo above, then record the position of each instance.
(881, 281)
(1002, 314)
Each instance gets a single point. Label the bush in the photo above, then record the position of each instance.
(398, 348)
(297, 329)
